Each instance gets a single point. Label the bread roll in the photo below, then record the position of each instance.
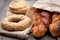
(18, 6)
(55, 26)
(41, 23)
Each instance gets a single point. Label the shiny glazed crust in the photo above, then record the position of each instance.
(41, 23)
(55, 26)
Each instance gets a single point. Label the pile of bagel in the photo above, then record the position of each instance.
(17, 22)
(44, 15)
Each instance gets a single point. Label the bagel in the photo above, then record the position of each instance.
(16, 23)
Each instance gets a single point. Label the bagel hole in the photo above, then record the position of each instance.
(16, 20)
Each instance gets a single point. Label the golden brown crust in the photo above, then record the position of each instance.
(39, 30)
(55, 26)
(41, 23)
(56, 17)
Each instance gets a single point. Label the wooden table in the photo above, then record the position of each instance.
(45, 37)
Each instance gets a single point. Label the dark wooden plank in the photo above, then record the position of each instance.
(15, 39)
(58, 38)
(9, 38)
(31, 37)
(6, 38)
(47, 37)
(1, 37)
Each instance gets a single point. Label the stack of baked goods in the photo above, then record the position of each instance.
(17, 24)
(45, 15)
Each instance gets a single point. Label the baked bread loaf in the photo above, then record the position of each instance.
(55, 26)
(41, 23)
(18, 6)
(52, 6)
